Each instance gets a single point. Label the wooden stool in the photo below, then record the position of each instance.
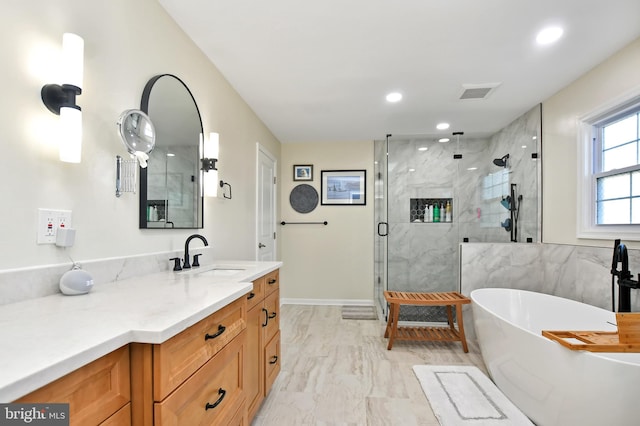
(450, 334)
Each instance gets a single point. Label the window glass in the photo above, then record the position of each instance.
(621, 132)
(614, 212)
(635, 184)
(616, 186)
(619, 157)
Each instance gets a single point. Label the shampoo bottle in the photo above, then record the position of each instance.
(427, 213)
(448, 211)
(436, 213)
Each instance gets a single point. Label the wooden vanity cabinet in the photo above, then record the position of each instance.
(263, 340)
(97, 394)
(196, 377)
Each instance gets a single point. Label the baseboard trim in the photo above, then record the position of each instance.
(327, 302)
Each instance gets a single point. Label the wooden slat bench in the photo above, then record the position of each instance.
(446, 334)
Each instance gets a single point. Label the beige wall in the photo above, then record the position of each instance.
(333, 262)
(126, 43)
(611, 79)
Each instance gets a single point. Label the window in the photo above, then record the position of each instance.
(609, 177)
(617, 169)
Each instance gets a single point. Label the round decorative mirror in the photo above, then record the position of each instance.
(303, 198)
(138, 134)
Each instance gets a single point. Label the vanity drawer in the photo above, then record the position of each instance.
(212, 396)
(179, 357)
(272, 281)
(256, 295)
(94, 392)
(272, 361)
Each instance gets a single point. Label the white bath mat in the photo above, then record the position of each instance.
(463, 395)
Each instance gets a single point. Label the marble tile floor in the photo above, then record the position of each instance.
(339, 372)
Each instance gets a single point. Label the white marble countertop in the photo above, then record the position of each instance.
(43, 339)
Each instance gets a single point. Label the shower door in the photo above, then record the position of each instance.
(382, 227)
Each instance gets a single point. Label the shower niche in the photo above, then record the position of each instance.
(431, 210)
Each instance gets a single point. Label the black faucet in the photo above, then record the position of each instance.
(187, 263)
(625, 282)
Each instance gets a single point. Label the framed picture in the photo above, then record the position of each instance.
(303, 172)
(344, 187)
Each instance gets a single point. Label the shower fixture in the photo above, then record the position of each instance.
(501, 162)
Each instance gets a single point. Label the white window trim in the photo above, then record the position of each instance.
(586, 206)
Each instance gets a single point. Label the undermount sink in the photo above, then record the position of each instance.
(221, 272)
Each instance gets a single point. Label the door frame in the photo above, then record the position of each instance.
(262, 149)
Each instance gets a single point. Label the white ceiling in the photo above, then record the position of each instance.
(318, 71)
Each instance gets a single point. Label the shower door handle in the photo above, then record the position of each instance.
(386, 232)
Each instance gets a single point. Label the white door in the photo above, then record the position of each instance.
(266, 206)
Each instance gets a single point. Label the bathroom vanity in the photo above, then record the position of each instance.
(198, 347)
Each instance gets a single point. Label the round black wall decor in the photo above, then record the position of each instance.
(303, 198)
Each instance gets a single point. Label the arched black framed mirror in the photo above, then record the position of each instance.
(171, 186)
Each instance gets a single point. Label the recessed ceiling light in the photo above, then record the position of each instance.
(534, 138)
(442, 126)
(423, 148)
(412, 170)
(549, 35)
(394, 97)
(472, 169)
(524, 146)
(443, 140)
(170, 154)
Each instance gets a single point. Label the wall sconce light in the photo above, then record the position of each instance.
(210, 175)
(61, 99)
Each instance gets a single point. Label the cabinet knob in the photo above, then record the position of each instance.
(274, 359)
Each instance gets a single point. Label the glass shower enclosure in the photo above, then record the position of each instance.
(488, 185)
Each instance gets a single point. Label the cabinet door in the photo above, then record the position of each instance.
(253, 372)
(94, 392)
(271, 315)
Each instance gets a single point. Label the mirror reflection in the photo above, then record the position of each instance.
(171, 185)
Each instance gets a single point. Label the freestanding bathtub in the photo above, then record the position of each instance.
(551, 384)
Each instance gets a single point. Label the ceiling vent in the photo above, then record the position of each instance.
(477, 91)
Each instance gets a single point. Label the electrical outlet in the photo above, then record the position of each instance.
(49, 221)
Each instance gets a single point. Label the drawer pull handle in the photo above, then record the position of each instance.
(272, 281)
(274, 359)
(266, 317)
(222, 393)
(221, 329)
(273, 315)
(251, 296)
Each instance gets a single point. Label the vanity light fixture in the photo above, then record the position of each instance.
(61, 99)
(210, 175)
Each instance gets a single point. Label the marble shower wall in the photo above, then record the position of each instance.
(574, 272)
